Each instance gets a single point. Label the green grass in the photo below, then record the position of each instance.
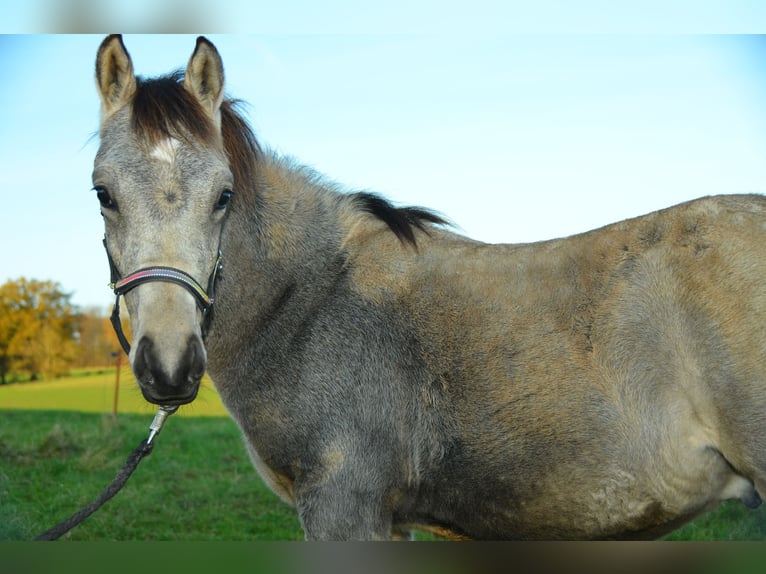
(93, 391)
(198, 483)
(730, 521)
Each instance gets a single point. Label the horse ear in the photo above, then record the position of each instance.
(114, 75)
(204, 78)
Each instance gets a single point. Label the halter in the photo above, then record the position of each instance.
(120, 286)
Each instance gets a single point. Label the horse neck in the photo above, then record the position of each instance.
(296, 214)
(288, 237)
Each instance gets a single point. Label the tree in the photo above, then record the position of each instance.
(38, 326)
(96, 340)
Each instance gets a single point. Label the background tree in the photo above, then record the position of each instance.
(9, 325)
(38, 328)
(96, 340)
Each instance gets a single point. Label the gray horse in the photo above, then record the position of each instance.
(388, 374)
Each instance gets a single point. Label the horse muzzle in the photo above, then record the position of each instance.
(164, 383)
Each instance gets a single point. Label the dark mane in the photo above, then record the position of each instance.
(163, 108)
(402, 221)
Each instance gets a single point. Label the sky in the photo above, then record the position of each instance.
(515, 137)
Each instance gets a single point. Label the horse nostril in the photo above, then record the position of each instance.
(196, 361)
(142, 360)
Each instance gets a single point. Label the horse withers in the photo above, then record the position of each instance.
(388, 374)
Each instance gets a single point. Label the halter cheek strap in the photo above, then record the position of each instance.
(120, 286)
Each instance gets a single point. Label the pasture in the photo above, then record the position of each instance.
(92, 391)
(198, 484)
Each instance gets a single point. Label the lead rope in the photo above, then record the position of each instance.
(141, 451)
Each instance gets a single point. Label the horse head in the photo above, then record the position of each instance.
(163, 180)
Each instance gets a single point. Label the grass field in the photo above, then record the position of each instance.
(93, 390)
(60, 446)
(198, 484)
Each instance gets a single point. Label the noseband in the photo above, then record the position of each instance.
(121, 285)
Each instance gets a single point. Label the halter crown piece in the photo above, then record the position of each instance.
(121, 285)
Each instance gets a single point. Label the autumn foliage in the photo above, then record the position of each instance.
(42, 334)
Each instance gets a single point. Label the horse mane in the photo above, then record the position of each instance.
(402, 221)
(163, 108)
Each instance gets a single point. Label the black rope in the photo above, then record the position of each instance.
(142, 450)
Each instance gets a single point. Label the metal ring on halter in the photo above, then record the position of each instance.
(120, 286)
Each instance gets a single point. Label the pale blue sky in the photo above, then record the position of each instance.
(514, 137)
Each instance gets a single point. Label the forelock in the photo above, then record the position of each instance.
(162, 109)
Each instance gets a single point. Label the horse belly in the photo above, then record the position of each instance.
(611, 489)
(635, 498)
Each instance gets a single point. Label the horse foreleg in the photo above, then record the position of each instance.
(340, 508)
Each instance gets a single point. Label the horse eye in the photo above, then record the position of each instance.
(103, 196)
(224, 200)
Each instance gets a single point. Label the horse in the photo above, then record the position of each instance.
(389, 374)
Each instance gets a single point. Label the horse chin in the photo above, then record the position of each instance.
(170, 400)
